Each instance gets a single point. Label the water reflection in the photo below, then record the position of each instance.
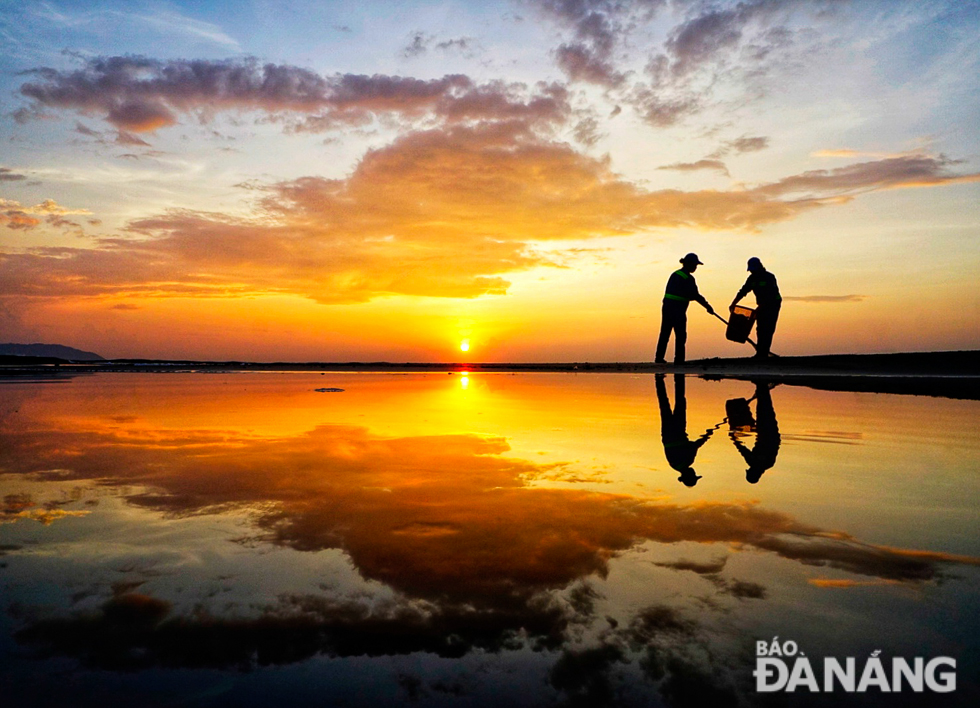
(762, 455)
(679, 449)
(453, 551)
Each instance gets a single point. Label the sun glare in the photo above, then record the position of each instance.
(464, 345)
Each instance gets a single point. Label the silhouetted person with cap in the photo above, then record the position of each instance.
(763, 284)
(681, 289)
(763, 454)
(678, 448)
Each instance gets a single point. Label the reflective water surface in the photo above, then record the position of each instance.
(492, 539)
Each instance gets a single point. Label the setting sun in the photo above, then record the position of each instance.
(464, 345)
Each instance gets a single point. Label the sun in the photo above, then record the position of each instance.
(464, 345)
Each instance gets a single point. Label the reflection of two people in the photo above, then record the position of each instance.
(680, 450)
(762, 455)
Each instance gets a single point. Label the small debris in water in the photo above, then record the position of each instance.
(329, 390)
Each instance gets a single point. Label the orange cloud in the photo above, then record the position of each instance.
(13, 215)
(441, 213)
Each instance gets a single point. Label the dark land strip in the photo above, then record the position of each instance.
(946, 374)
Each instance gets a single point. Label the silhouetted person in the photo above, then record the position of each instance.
(768, 300)
(681, 289)
(678, 448)
(763, 454)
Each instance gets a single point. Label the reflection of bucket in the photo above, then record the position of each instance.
(739, 415)
(740, 324)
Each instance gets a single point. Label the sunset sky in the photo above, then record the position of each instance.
(342, 181)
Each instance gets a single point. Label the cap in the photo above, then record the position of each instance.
(754, 263)
(691, 258)
(689, 477)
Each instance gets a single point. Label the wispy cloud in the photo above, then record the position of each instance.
(420, 43)
(826, 298)
(889, 173)
(167, 22)
(705, 164)
(9, 175)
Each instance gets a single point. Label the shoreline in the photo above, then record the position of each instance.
(946, 374)
(906, 364)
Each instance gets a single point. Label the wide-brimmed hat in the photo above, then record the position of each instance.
(691, 258)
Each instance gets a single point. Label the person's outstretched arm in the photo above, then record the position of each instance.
(699, 298)
(742, 293)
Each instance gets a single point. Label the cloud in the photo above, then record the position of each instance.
(13, 215)
(659, 108)
(141, 95)
(747, 144)
(827, 298)
(701, 568)
(464, 45)
(598, 28)
(125, 138)
(705, 164)
(8, 175)
(889, 173)
(840, 152)
(739, 42)
(586, 131)
(421, 42)
(700, 39)
(735, 45)
(83, 129)
(418, 44)
(133, 631)
(439, 213)
(581, 63)
(594, 21)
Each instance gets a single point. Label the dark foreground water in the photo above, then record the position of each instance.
(496, 539)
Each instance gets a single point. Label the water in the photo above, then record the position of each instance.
(492, 539)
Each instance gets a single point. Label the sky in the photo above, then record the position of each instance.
(393, 181)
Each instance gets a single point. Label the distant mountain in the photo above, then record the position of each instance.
(51, 350)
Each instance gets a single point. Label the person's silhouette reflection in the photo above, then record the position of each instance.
(763, 454)
(679, 450)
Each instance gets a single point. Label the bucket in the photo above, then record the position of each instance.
(740, 324)
(739, 415)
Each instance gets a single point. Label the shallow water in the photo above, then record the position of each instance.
(492, 539)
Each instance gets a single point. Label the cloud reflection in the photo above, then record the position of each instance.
(479, 559)
(445, 517)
